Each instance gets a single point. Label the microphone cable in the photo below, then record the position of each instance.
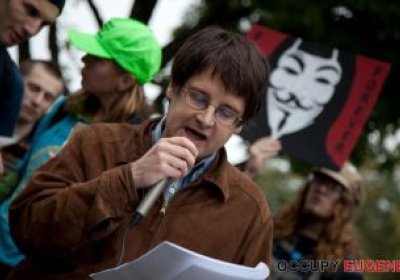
(141, 211)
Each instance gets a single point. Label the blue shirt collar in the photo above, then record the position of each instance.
(193, 174)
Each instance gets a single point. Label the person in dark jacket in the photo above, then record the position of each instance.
(19, 20)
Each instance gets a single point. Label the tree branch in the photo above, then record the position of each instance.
(96, 13)
(142, 10)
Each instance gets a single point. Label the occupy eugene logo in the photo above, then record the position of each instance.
(306, 266)
(371, 265)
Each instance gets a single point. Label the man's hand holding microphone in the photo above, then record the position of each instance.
(170, 158)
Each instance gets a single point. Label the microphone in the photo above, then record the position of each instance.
(147, 202)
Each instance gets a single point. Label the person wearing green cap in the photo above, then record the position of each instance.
(129, 43)
(119, 59)
(71, 218)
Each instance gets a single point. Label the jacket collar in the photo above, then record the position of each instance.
(218, 175)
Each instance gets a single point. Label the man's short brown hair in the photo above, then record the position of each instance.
(27, 65)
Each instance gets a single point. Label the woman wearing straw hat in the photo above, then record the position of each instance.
(318, 225)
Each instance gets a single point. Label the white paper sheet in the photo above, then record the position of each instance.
(168, 261)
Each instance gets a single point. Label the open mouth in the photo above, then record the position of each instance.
(194, 134)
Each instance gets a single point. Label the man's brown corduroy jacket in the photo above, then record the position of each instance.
(68, 221)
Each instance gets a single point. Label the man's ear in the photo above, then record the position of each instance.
(170, 94)
(125, 82)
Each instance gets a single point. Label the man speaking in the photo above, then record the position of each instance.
(70, 220)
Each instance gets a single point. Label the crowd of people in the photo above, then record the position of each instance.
(74, 168)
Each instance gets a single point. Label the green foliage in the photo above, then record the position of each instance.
(378, 221)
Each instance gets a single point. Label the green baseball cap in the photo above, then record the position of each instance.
(130, 43)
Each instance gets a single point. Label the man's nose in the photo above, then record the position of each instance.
(38, 99)
(207, 116)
